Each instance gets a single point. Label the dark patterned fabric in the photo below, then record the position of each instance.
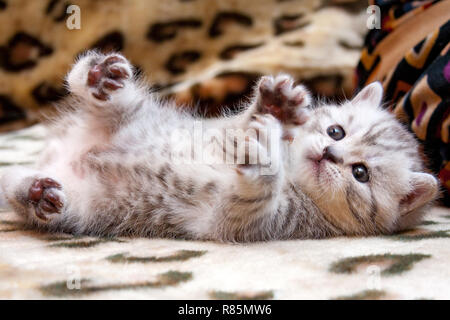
(203, 54)
(417, 88)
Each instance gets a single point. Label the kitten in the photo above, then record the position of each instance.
(122, 162)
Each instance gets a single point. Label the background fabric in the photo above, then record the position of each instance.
(206, 54)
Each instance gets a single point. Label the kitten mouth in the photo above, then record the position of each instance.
(316, 165)
(321, 169)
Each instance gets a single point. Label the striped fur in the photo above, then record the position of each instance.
(116, 162)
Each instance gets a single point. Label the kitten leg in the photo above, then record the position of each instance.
(33, 195)
(259, 165)
(261, 146)
(257, 193)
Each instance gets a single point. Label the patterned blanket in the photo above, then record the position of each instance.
(411, 265)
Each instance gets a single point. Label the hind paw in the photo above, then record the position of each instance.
(107, 76)
(47, 198)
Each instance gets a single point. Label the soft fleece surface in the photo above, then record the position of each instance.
(412, 265)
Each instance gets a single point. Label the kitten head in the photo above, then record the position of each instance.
(363, 168)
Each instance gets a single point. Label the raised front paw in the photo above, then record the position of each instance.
(47, 198)
(260, 153)
(279, 97)
(108, 75)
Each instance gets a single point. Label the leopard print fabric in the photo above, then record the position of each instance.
(202, 53)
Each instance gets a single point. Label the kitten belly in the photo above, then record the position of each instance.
(63, 158)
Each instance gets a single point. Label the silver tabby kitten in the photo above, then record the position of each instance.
(122, 162)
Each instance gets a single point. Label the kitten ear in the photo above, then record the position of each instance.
(424, 189)
(372, 94)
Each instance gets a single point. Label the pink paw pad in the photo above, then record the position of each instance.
(108, 75)
(45, 198)
(279, 97)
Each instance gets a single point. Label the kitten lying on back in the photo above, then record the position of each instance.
(122, 162)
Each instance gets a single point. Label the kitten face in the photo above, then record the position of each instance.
(362, 167)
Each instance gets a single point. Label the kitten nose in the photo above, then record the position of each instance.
(330, 154)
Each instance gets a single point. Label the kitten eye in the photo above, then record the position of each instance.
(360, 172)
(336, 132)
